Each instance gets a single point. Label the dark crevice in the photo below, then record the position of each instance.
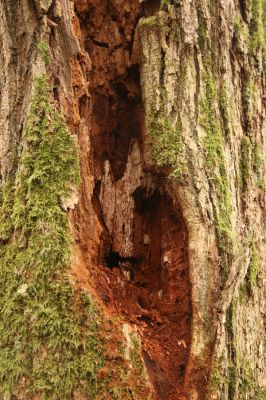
(156, 290)
(83, 106)
(243, 9)
(143, 250)
(50, 13)
(151, 7)
(197, 91)
(105, 235)
(118, 46)
(55, 93)
(117, 115)
(160, 385)
(34, 9)
(162, 69)
(114, 259)
(55, 89)
(98, 43)
(132, 39)
(146, 319)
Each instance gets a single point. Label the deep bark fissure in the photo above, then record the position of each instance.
(144, 241)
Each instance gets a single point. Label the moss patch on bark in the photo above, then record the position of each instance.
(51, 336)
(167, 145)
(215, 163)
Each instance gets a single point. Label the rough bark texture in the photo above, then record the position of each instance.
(144, 278)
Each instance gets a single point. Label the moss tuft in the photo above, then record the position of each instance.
(257, 32)
(259, 394)
(51, 341)
(202, 31)
(168, 145)
(253, 268)
(232, 352)
(216, 380)
(241, 30)
(6, 207)
(136, 358)
(40, 336)
(250, 162)
(257, 157)
(226, 110)
(215, 163)
(240, 377)
(150, 21)
(43, 50)
(245, 162)
(166, 3)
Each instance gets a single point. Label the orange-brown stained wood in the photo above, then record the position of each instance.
(153, 292)
(146, 282)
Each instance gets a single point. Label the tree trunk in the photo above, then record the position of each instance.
(132, 222)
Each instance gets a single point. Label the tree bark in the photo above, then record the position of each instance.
(132, 238)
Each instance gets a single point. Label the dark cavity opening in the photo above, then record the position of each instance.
(115, 260)
(117, 119)
(151, 286)
(144, 253)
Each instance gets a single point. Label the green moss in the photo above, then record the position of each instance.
(232, 380)
(123, 393)
(245, 161)
(245, 374)
(232, 352)
(226, 110)
(257, 31)
(264, 42)
(6, 204)
(51, 337)
(164, 139)
(150, 21)
(259, 394)
(241, 29)
(254, 34)
(43, 50)
(40, 336)
(257, 156)
(166, 3)
(257, 163)
(167, 145)
(247, 384)
(136, 358)
(250, 162)
(215, 164)
(241, 382)
(202, 31)
(239, 379)
(253, 268)
(216, 380)
(243, 293)
(249, 92)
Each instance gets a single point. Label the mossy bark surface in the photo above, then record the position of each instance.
(191, 77)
